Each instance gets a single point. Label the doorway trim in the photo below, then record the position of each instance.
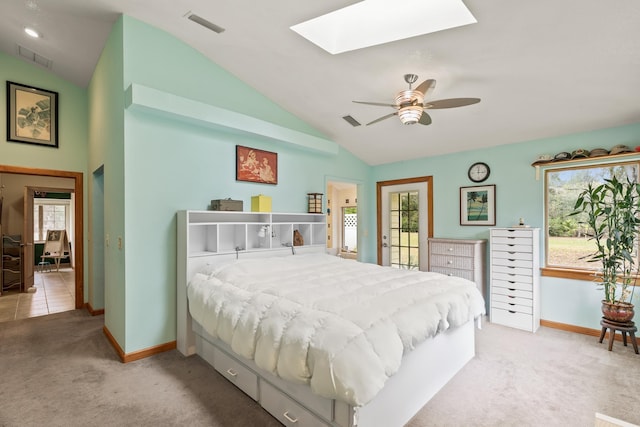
(78, 244)
(381, 184)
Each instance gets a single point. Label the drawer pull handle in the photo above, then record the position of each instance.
(512, 289)
(449, 262)
(450, 249)
(231, 372)
(511, 281)
(512, 259)
(510, 266)
(512, 252)
(449, 274)
(510, 311)
(510, 296)
(288, 417)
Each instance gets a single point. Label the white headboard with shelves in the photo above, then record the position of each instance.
(214, 237)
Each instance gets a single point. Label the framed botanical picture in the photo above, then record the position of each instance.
(256, 165)
(32, 115)
(478, 205)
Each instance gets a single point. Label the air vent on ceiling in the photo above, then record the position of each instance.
(207, 24)
(353, 122)
(31, 56)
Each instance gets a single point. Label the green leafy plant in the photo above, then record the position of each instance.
(613, 217)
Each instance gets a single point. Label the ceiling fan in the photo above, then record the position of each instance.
(410, 104)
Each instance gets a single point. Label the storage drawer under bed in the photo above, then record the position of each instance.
(242, 377)
(285, 409)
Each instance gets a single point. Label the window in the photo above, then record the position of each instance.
(568, 245)
(49, 214)
(405, 247)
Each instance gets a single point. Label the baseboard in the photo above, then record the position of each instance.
(92, 311)
(140, 354)
(580, 330)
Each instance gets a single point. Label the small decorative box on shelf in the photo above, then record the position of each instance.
(226, 205)
(261, 203)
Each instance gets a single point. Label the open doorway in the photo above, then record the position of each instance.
(20, 188)
(342, 219)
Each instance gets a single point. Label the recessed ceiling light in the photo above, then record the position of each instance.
(373, 22)
(31, 32)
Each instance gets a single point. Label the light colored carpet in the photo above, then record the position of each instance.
(59, 370)
(550, 378)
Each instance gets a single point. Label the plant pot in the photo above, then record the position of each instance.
(617, 311)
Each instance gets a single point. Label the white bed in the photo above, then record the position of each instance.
(401, 385)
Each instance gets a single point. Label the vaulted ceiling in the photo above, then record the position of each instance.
(542, 68)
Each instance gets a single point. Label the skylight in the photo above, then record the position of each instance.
(373, 22)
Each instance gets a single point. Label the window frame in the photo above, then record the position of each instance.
(586, 163)
(39, 219)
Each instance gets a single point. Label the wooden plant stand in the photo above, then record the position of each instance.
(624, 328)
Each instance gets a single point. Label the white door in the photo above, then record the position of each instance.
(405, 225)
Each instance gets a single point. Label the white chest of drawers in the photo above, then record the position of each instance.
(460, 258)
(514, 271)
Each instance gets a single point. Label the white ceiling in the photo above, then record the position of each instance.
(542, 68)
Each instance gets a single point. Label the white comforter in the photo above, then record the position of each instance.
(340, 326)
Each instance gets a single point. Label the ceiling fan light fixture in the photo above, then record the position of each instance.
(410, 115)
(410, 106)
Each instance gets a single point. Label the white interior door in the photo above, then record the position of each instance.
(404, 217)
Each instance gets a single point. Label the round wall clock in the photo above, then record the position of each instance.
(479, 172)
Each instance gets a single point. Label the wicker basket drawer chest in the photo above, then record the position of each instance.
(460, 258)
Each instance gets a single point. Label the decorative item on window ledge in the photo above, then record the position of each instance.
(315, 202)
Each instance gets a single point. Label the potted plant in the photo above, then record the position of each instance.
(612, 211)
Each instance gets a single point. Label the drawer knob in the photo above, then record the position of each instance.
(450, 249)
(289, 418)
(449, 262)
(231, 372)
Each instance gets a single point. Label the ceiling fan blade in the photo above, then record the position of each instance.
(380, 104)
(425, 119)
(382, 118)
(450, 103)
(426, 87)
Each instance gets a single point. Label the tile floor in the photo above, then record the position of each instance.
(55, 292)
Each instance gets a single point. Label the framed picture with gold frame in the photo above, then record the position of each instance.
(32, 115)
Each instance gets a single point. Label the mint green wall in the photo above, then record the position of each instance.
(106, 153)
(518, 194)
(172, 165)
(71, 154)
